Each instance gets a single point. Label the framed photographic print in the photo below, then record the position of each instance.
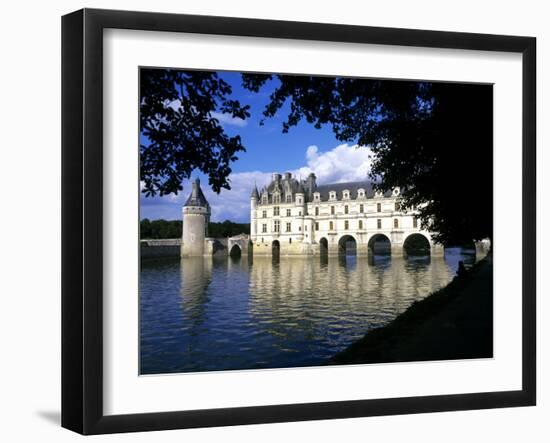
(269, 221)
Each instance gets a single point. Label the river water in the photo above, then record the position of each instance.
(206, 314)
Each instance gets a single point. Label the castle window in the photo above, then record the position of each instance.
(346, 194)
(415, 222)
(276, 198)
(299, 212)
(290, 240)
(330, 226)
(276, 226)
(395, 207)
(379, 223)
(288, 212)
(288, 225)
(360, 224)
(264, 214)
(288, 198)
(360, 193)
(378, 207)
(300, 228)
(346, 225)
(332, 210)
(275, 210)
(332, 195)
(316, 226)
(264, 199)
(361, 208)
(346, 209)
(262, 239)
(264, 229)
(316, 196)
(316, 210)
(395, 223)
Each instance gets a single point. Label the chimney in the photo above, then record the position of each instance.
(311, 185)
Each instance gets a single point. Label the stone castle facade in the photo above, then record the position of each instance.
(299, 217)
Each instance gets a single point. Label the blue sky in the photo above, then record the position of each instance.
(302, 150)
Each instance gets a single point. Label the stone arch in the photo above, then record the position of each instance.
(218, 247)
(347, 245)
(379, 244)
(276, 248)
(417, 244)
(235, 250)
(323, 246)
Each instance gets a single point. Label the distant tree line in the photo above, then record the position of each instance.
(155, 229)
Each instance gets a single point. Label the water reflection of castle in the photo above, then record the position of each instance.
(280, 287)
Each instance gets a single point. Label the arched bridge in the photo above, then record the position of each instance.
(238, 245)
(396, 242)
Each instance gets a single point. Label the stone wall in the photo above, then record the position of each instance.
(160, 248)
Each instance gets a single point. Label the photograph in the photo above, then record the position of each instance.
(293, 220)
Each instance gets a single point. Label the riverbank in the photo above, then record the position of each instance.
(455, 322)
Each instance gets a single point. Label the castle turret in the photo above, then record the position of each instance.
(254, 198)
(300, 195)
(196, 216)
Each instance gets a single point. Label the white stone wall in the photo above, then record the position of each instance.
(194, 230)
(363, 219)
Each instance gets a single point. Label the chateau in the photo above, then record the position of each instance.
(299, 217)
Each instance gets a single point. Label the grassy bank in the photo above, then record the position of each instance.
(455, 322)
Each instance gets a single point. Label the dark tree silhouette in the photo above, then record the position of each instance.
(179, 132)
(432, 140)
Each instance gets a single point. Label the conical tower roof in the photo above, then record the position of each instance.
(197, 198)
(255, 193)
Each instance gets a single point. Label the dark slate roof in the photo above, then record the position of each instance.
(255, 193)
(283, 185)
(197, 198)
(294, 186)
(352, 187)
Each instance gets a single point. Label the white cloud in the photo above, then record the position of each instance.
(228, 119)
(341, 164)
(344, 163)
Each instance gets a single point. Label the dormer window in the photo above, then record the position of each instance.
(332, 195)
(396, 191)
(378, 194)
(289, 198)
(264, 199)
(345, 195)
(316, 196)
(361, 193)
(276, 198)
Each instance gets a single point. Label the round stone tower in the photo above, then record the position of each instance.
(196, 215)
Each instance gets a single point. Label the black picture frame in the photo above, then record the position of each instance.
(82, 218)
